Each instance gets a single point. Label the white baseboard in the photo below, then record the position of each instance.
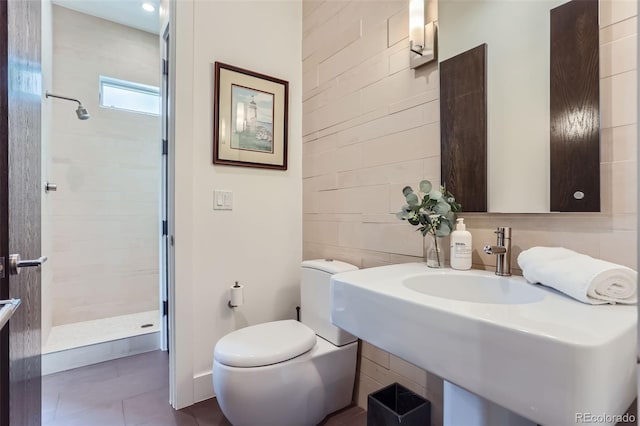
(203, 386)
(92, 354)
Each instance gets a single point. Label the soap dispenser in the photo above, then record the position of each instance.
(461, 247)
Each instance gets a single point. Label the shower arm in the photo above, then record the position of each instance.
(51, 95)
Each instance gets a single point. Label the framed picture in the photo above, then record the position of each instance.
(250, 119)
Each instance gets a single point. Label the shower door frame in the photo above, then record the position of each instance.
(168, 290)
(166, 237)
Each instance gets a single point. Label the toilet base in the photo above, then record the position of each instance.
(300, 391)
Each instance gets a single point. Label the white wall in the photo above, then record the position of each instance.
(259, 243)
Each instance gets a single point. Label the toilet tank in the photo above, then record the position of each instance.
(315, 295)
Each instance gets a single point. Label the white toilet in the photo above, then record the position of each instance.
(288, 372)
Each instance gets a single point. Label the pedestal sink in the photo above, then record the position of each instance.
(524, 347)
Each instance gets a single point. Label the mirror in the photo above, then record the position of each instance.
(517, 35)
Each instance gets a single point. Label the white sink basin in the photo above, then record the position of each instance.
(476, 288)
(529, 349)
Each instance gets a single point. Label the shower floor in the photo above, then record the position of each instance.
(69, 336)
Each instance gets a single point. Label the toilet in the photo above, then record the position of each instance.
(289, 373)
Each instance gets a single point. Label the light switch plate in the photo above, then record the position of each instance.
(222, 199)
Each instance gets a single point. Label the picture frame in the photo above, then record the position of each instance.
(250, 118)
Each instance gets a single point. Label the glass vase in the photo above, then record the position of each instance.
(434, 251)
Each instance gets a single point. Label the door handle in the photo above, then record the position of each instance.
(8, 309)
(15, 263)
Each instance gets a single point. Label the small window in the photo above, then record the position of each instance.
(129, 96)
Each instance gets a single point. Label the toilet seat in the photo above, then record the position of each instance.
(265, 344)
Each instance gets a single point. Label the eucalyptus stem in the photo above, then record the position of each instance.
(435, 241)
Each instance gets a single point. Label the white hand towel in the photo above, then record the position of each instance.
(580, 276)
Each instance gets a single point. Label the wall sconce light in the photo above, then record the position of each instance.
(422, 37)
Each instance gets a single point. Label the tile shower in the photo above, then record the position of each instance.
(101, 227)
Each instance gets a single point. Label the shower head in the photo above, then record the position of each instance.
(82, 112)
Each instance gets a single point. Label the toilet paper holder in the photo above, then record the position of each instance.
(237, 297)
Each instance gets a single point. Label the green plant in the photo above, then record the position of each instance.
(432, 210)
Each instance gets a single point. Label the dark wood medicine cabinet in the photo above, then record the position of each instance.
(574, 150)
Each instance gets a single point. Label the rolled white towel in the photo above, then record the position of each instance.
(580, 276)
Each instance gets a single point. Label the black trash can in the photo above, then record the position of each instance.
(397, 405)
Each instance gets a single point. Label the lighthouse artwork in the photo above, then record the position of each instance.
(252, 119)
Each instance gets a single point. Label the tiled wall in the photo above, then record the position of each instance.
(104, 221)
(371, 126)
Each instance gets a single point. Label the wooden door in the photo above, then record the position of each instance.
(20, 98)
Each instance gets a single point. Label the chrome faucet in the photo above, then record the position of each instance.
(502, 250)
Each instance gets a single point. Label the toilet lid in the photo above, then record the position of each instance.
(264, 344)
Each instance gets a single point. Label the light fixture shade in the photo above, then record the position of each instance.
(422, 37)
(416, 25)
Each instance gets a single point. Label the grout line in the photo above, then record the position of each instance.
(618, 22)
(55, 411)
(124, 418)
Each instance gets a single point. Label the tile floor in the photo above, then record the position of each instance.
(134, 391)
